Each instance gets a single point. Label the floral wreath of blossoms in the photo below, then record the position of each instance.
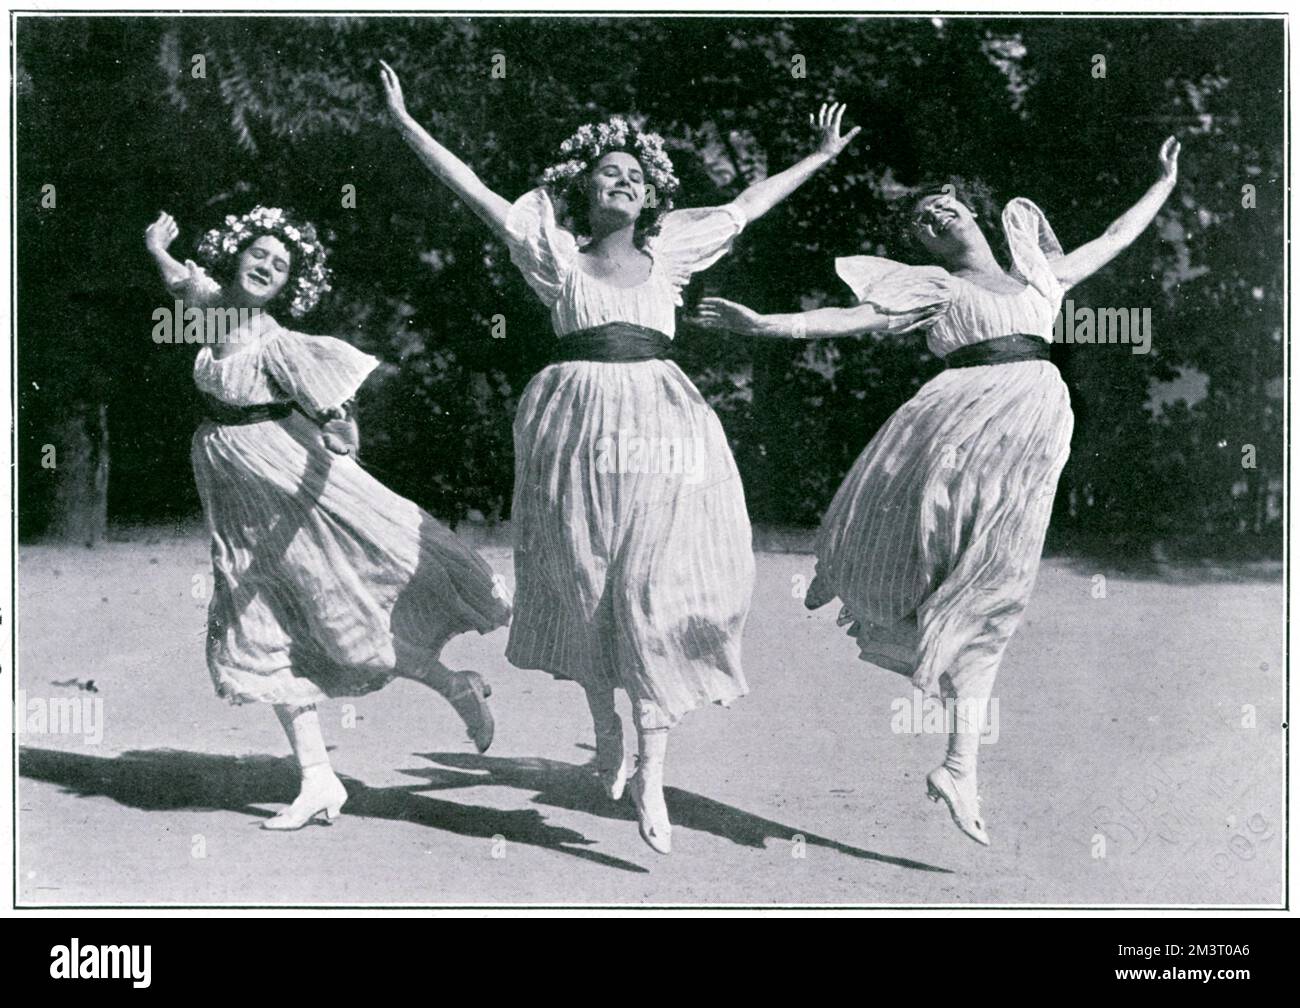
(593, 141)
(313, 275)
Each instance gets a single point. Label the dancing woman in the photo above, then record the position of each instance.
(326, 583)
(933, 541)
(633, 555)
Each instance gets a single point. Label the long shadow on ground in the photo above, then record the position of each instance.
(156, 780)
(571, 786)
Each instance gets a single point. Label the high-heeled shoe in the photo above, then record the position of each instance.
(469, 697)
(963, 803)
(611, 763)
(318, 795)
(655, 828)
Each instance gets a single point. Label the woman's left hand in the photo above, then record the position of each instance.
(719, 313)
(827, 123)
(1169, 159)
(339, 431)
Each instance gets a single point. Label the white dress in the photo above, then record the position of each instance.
(633, 554)
(933, 540)
(326, 583)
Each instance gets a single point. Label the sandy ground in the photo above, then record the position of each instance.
(1139, 759)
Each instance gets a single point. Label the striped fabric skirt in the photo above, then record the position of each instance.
(325, 582)
(633, 554)
(933, 540)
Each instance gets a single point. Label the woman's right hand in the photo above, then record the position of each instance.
(392, 91)
(161, 233)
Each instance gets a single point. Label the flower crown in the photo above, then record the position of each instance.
(309, 253)
(593, 141)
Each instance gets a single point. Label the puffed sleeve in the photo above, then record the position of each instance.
(317, 372)
(913, 297)
(693, 240)
(196, 289)
(1034, 246)
(543, 251)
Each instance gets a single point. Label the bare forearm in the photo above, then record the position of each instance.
(759, 198)
(449, 169)
(1087, 259)
(455, 174)
(821, 323)
(173, 273)
(1137, 218)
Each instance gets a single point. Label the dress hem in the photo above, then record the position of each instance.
(705, 700)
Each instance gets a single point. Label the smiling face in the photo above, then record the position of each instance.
(262, 270)
(616, 189)
(944, 225)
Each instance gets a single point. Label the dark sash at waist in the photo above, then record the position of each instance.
(221, 412)
(612, 343)
(1000, 350)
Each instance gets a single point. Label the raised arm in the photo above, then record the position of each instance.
(759, 198)
(1092, 256)
(158, 237)
(820, 323)
(451, 170)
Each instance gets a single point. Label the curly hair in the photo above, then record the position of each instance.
(974, 193)
(569, 181)
(308, 280)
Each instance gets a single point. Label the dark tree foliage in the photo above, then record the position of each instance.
(115, 114)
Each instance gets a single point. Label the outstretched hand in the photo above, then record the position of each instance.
(392, 90)
(161, 233)
(1169, 159)
(827, 123)
(719, 313)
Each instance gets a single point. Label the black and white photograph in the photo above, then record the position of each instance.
(736, 458)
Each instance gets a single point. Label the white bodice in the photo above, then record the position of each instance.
(548, 257)
(271, 363)
(956, 312)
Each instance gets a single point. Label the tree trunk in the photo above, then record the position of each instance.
(80, 459)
